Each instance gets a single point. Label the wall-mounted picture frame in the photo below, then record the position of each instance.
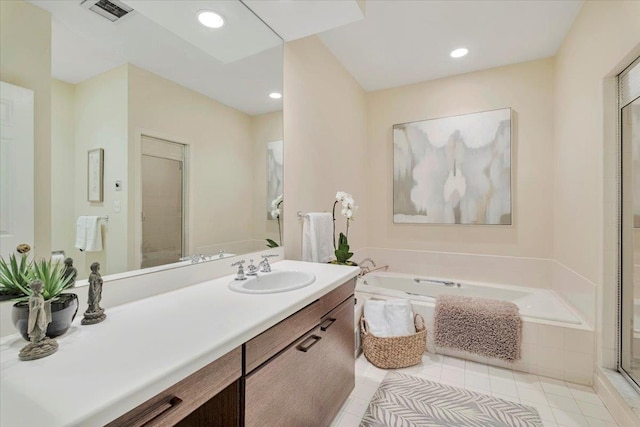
(453, 170)
(275, 174)
(95, 175)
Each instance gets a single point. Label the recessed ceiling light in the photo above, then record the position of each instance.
(275, 95)
(210, 19)
(459, 53)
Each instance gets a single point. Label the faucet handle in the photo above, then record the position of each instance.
(240, 275)
(266, 268)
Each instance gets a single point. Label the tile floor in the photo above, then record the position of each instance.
(560, 404)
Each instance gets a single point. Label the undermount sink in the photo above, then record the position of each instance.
(273, 282)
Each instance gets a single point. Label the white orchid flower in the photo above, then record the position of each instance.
(340, 195)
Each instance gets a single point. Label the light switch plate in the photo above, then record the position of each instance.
(116, 205)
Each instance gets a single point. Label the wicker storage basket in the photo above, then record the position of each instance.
(395, 352)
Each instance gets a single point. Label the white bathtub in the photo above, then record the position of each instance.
(556, 341)
(541, 304)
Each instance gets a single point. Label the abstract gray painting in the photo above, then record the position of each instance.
(275, 178)
(453, 170)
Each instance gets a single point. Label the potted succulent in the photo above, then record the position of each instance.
(12, 277)
(64, 306)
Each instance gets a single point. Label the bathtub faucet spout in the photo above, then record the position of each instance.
(366, 270)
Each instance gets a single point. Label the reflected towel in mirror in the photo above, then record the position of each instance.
(88, 234)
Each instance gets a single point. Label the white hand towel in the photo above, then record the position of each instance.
(399, 318)
(81, 233)
(374, 314)
(317, 237)
(94, 234)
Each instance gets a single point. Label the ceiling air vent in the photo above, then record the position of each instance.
(113, 10)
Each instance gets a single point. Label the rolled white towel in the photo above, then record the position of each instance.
(374, 314)
(399, 317)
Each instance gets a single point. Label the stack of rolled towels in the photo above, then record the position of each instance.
(389, 318)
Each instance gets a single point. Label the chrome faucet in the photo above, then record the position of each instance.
(266, 268)
(221, 253)
(240, 275)
(194, 258)
(252, 269)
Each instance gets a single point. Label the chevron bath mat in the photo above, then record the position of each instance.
(403, 400)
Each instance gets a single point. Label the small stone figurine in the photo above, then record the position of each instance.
(70, 271)
(95, 313)
(39, 317)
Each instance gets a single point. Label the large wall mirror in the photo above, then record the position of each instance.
(162, 128)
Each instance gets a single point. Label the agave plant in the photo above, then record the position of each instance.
(13, 275)
(52, 277)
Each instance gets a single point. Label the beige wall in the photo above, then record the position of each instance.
(63, 178)
(604, 39)
(265, 128)
(599, 45)
(101, 122)
(325, 147)
(25, 60)
(220, 154)
(528, 89)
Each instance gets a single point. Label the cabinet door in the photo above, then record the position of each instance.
(306, 384)
(338, 348)
(283, 391)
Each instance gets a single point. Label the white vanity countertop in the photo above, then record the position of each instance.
(102, 371)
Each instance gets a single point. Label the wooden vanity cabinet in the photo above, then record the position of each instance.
(297, 373)
(212, 390)
(306, 383)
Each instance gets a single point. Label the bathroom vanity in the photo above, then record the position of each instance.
(202, 355)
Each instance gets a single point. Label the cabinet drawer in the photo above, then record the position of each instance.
(336, 296)
(266, 345)
(178, 401)
(275, 339)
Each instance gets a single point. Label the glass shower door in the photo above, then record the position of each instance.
(630, 241)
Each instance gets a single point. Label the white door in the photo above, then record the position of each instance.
(162, 202)
(16, 168)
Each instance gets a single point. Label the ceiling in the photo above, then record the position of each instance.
(239, 71)
(401, 42)
(393, 43)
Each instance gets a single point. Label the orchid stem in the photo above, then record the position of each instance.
(334, 224)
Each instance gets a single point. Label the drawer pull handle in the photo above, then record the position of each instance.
(152, 414)
(325, 325)
(308, 343)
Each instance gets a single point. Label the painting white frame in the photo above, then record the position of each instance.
(95, 175)
(454, 170)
